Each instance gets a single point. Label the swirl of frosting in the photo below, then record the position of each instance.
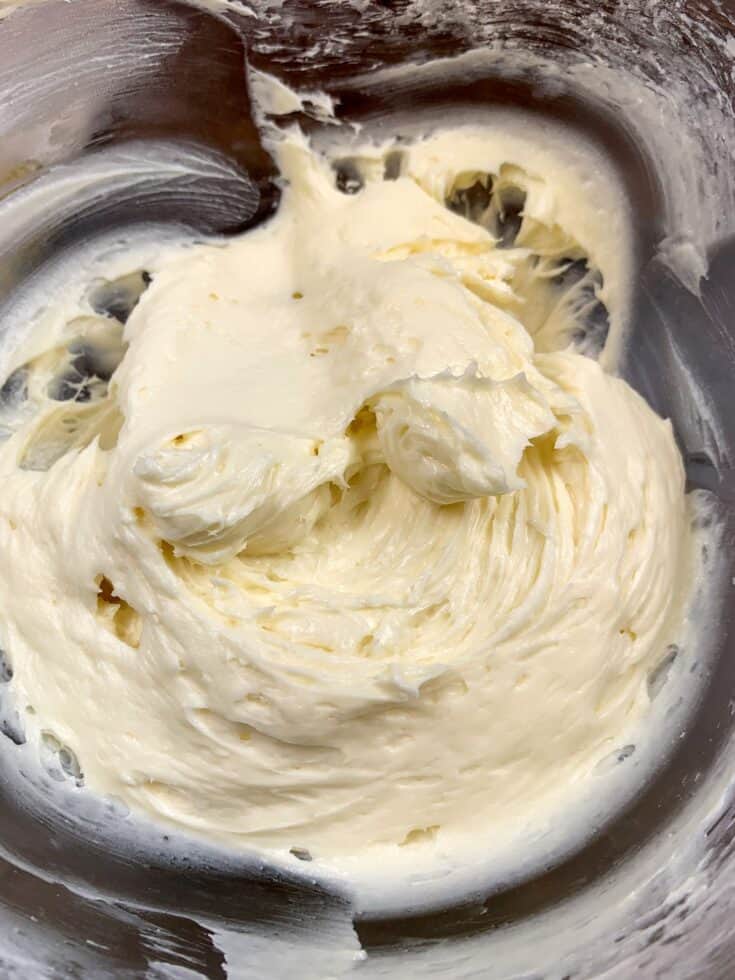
(372, 554)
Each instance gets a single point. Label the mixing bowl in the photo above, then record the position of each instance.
(122, 116)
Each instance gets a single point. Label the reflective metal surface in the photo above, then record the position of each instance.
(135, 84)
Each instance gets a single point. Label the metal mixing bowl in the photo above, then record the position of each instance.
(113, 79)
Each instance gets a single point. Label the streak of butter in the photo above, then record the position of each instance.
(387, 565)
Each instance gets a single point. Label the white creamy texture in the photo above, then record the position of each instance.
(357, 549)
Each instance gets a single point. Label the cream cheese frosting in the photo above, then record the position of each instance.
(342, 539)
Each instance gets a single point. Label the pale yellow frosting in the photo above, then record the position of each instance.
(356, 548)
